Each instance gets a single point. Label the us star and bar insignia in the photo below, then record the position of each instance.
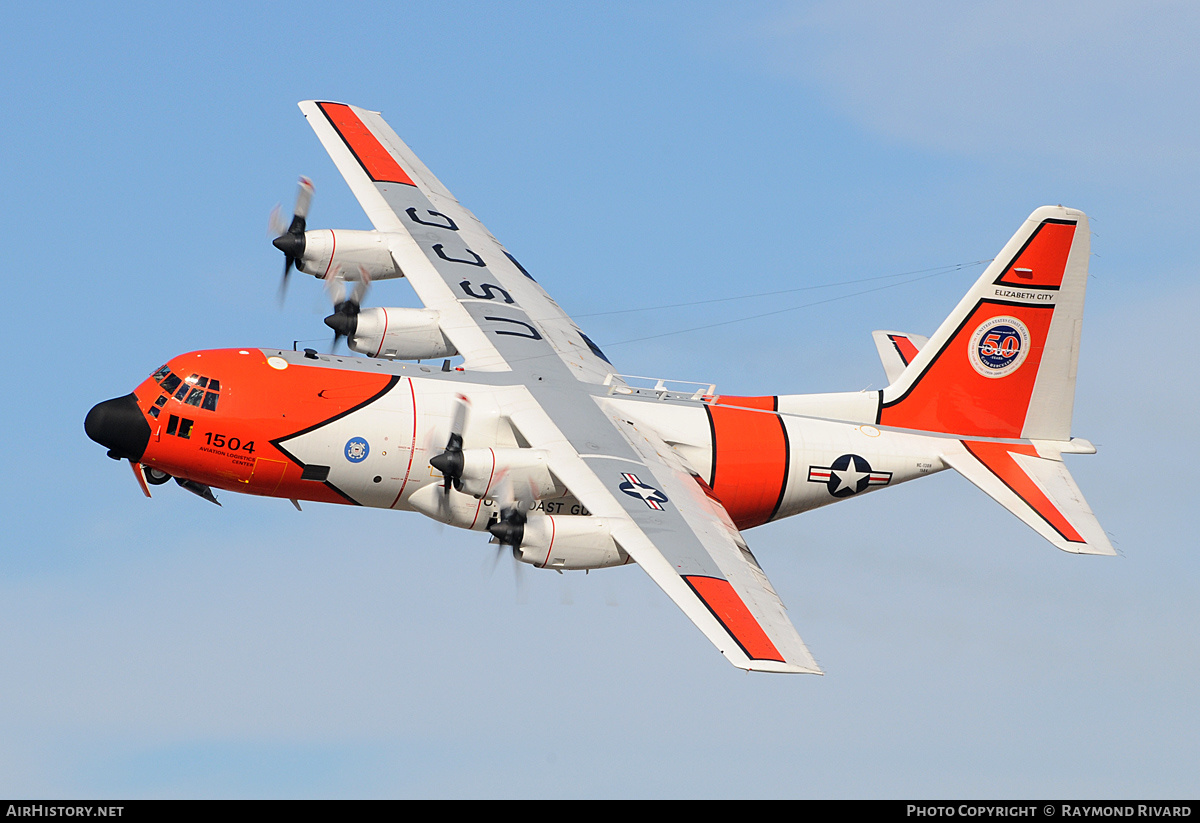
(847, 475)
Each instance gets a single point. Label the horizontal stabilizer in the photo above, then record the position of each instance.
(1036, 489)
(897, 349)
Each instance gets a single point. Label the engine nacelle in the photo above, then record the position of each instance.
(569, 543)
(458, 510)
(404, 334)
(526, 469)
(347, 253)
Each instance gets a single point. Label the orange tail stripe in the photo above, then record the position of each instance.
(729, 609)
(904, 346)
(1040, 264)
(998, 458)
(375, 159)
(750, 459)
(950, 396)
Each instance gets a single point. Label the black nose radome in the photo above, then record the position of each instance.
(120, 425)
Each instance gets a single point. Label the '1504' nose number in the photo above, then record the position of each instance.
(233, 444)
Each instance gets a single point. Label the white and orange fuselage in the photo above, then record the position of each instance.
(990, 394)
(362, 432)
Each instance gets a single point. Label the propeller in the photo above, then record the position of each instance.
(509, 528)
(344, 320)
(518, 568)
(289, 239)
(450, 461)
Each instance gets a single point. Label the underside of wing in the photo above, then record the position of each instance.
(498, 317)
(488, 300)
(751, 628)
(663, 517)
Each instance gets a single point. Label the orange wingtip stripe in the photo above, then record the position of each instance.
(728, 608)
(999, 460)
(375, 159)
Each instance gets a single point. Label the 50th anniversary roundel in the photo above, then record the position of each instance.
(999, 346)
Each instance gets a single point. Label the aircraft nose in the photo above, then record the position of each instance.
(120, 425)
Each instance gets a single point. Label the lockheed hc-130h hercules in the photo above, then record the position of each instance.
(535, 439)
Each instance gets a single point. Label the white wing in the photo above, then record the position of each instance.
(501, 320)
(494, 312)
(686, 542)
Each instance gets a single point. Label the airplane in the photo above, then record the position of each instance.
(535, 439)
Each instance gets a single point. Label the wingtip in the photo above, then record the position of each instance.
(778, 667)
(1093, 547)
(308, 105)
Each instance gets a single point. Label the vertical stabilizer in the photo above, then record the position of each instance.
(1003, 363)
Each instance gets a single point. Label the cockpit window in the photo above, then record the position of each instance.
(158, 404)
(195, 390)
(199, 397)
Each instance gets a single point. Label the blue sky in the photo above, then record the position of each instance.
(630, 155)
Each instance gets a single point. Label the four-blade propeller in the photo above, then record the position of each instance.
(289, 239)
(344, 320)
(516, 501)
(509, 528)
(450, 462)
